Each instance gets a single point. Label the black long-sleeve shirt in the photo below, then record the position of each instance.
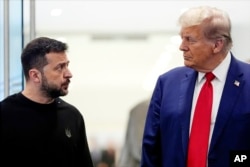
(34, 134)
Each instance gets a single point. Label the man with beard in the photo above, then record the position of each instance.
(37, 127)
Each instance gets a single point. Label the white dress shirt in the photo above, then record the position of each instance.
(218, 83)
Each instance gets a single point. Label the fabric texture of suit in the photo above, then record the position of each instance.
(166, 132)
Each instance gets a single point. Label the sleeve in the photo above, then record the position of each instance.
(84, 157)
(151, 148)
(130, 150)
(134, 134)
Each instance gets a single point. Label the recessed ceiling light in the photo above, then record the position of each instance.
(56, 12)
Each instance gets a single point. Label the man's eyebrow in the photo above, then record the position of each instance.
(64, 62)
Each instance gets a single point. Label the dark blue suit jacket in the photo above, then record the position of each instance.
(166, 133)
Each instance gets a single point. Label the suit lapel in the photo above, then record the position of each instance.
(185, 104)
(232, 88)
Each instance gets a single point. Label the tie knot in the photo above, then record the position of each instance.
(209, 76)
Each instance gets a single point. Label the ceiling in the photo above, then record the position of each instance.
(125, 16)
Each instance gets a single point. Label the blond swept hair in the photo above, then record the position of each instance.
(215, 23)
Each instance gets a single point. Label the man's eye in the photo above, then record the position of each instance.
(191, 40)
(60, 67)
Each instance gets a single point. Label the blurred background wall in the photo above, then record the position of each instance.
(117, 49)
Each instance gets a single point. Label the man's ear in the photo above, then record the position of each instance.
(218, 45)
(35, 75)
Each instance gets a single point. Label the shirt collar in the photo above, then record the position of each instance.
(220, 71)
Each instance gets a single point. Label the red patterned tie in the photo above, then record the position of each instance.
(198, 141)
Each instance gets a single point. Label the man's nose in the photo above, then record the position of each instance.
(68, 73)
(183, 46)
